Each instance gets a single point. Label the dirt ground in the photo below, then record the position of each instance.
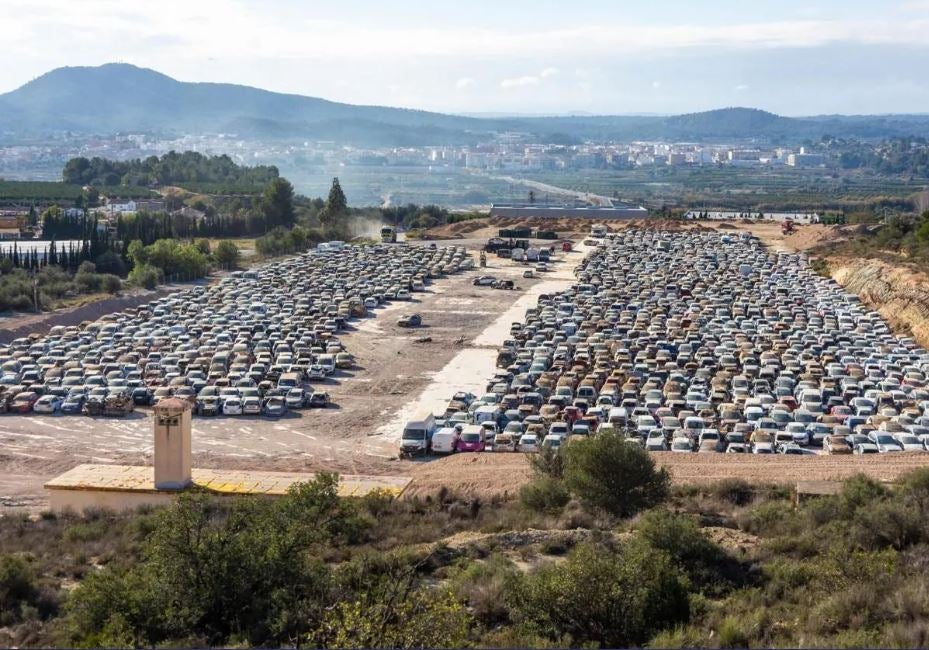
(502, 474)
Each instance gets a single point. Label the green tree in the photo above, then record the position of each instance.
(609, 473)
(277, 203)
(226, 254)
(336, 208)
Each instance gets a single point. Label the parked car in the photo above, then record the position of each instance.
(410, 320)
(528, 443)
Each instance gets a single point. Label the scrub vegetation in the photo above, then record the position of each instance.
(720, 565)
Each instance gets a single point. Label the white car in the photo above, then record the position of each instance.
(232, 406)
(885, 442)
(48, 404)
(682, 445)
(251, 406)
(908, 441)
(528, 443)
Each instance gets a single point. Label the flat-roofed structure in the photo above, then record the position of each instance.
(123, 487)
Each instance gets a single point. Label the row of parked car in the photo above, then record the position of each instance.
(703, 342)
(251, 344)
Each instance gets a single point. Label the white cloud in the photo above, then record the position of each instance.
(520, 82)
(656, 84)
(742, 88)
(529, 80)
(464, 83)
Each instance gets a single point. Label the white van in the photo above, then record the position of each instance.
(486, 413)
(417, 435)
(444, 441)
(327, 361)
(618, 417)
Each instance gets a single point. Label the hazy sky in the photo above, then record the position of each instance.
(526, 56)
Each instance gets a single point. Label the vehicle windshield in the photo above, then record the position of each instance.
(471, 437)
(414, 434)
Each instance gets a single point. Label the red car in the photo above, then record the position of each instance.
(24, 402)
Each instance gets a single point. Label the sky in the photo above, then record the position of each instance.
(791, 57)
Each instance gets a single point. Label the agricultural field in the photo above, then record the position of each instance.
(740, 188)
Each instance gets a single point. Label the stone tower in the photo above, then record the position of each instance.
(172, 444)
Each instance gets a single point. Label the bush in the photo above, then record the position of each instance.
(705, 563)
(110, 283)
(482, 585)
(146, 275)
(17, 586)
(226, 254)
(598, 596)
(281, 241)
(609, 473)
(544, 494)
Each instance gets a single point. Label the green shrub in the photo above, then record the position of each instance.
(146, 276)
(705, 563)
(607, 472)
(226, 254)
(598, 596)
(544, 494)
(731, 634)
(17, 587)
(482, 585)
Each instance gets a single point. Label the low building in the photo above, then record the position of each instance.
(805, 160)
(120, 206)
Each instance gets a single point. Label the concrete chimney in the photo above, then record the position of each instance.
(172, 444)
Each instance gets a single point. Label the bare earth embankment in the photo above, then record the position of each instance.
(490, 475)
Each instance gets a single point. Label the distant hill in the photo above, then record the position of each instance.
(120, 97)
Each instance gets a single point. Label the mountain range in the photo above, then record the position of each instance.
(119, 97)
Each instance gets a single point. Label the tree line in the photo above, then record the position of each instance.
(172, 168)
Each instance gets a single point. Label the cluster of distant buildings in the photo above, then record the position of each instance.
(507, 152)
(16, 222)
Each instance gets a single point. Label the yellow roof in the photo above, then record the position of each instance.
(135, 478)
